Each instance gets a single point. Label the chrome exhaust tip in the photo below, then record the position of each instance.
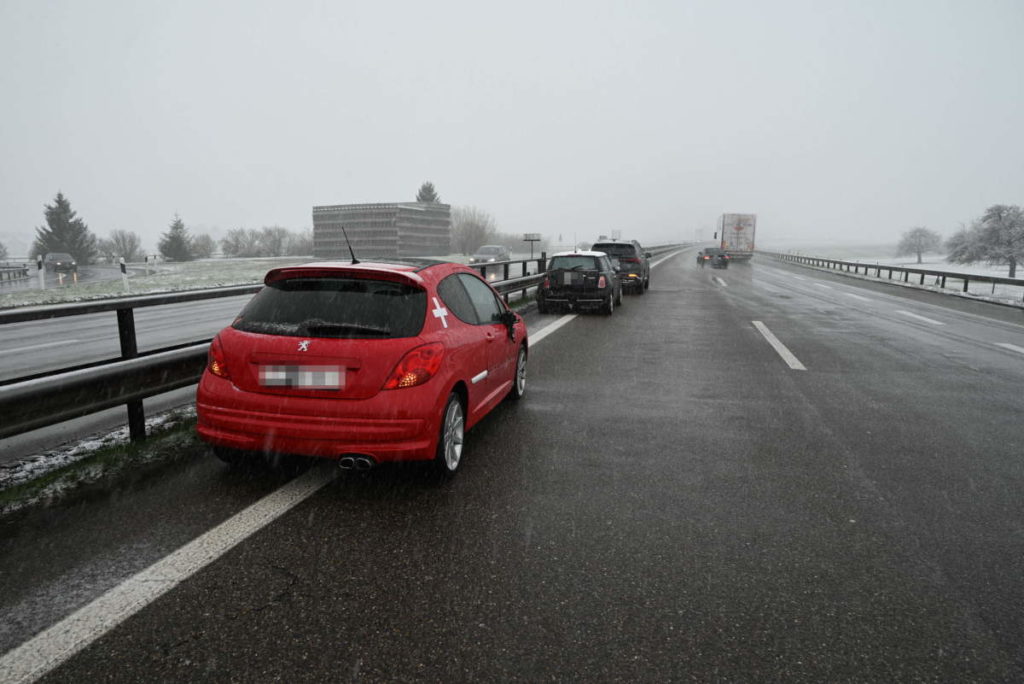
(347, 463)
(363, 463)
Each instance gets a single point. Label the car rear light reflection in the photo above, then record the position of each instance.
(416, 367)
(215, 359)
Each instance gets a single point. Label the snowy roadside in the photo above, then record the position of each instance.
(1006, 295)
(95, 460)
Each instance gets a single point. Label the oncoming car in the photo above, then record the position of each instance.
(362, 362)
(580, 280)
(490, 253)
(60, 262)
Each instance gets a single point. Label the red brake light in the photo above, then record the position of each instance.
(215, 359)
(416, 367)
(547, 283)
(602, 283)
(630, 260)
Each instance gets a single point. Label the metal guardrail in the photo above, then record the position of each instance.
(902, 273)
(37, 402)
(11, 273)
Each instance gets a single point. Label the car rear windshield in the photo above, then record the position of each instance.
(335, 307)
(573, 262)
(615, 250)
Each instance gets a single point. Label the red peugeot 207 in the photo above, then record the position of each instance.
(362, 362)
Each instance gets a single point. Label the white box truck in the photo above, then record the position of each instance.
(737, 234)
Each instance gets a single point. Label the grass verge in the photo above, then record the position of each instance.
(58, 476)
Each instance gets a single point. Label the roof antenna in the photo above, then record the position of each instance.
(354, 260)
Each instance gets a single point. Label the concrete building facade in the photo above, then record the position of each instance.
(378, 230)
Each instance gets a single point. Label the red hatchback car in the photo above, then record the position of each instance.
(362, 362)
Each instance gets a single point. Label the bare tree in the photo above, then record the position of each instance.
(300, 243)
(471, 227)
(997, 238)
(241, 242)
(203, 246)
(3, 251)
(272, 241)
(918, 241)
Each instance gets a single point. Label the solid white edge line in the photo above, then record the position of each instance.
(1011, 347)
(51, 647)
(780, 348)
(536, 337)
(920, 318)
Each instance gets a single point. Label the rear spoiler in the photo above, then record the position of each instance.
(361, 271)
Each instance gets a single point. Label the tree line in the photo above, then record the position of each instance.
(65, 231)
(995, 238)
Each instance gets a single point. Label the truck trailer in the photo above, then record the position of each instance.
(737, 234)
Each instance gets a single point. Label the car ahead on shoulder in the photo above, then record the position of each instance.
(579, 280)
(365, 363)
(490, 253)
(715, 256)
(634, 263)
(60, 262)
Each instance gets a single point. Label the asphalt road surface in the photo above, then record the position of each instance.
(761, 473)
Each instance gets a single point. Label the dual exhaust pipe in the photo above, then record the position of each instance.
(355, 463)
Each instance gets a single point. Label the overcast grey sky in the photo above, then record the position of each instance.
(846, 121)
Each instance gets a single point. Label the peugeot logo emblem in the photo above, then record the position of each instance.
(304, 345)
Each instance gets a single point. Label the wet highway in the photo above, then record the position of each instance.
(761, 473)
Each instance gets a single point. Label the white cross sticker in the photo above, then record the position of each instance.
(440, 312)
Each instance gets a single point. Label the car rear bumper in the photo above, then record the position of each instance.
(575, 300)
(327, 428)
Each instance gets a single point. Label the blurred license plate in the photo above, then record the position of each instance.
(308, 377)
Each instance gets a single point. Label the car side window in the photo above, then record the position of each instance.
(488, 310)
(457, 299)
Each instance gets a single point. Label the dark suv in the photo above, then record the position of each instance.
(633, 262)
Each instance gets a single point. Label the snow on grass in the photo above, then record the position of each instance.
(54, 474)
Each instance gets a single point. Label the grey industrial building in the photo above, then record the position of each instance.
(376, 230)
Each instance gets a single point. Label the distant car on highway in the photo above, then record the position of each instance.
(491, 253)
(635, 262)
(580, 280)
(715, 256)
(60, 262)
(363, 363)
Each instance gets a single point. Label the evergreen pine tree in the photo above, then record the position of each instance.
(427, 193)
(176, 244)
(65, 232)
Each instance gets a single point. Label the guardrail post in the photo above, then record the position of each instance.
(542, 263)
(966, 281)
(505, 270)
(129, 350)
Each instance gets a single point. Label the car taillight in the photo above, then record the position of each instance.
(547, 283)
(215, 359)
(416, 367)
(602, 283)
(630, 260)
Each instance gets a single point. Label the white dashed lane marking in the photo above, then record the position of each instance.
(779, 348)
(920, 318)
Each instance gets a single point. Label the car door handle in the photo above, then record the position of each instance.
(490, 336)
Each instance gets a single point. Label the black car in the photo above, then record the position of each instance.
(580, 280)
(60, 262)
(716, 256)
(634, 262)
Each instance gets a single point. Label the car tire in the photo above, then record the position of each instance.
(647, 283)
(618, 297)
(640, 290)
(519, 379)
(450, 441)
(609, 306)
(233, 457)
(542, 307)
